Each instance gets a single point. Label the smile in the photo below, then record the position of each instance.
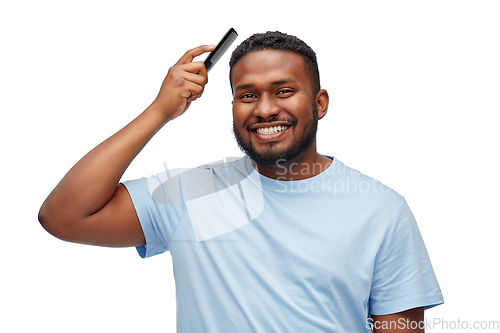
(271, 130)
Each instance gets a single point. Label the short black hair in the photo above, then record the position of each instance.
(275, 40)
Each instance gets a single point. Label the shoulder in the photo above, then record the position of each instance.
(205, 179)
(354, 184)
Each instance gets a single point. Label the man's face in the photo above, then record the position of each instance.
(274, 109)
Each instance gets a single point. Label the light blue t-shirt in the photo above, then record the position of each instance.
(254, 254)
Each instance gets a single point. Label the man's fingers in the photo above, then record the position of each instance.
(191, 91)
(196, 68)
(183, 84)
(194, 78)
(203, 73)
(193, 53)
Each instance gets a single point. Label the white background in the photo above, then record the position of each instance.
(414, 98)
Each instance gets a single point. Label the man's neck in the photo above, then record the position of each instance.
(302, 167)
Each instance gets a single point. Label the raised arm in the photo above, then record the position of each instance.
(88, 205)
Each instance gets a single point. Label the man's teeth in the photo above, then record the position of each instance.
(271, 130)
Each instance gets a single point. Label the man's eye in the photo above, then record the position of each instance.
(285, 92)
(247, 96)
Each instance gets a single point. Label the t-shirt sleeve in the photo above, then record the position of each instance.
(160, 209)
(403, 277)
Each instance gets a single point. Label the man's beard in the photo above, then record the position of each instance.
(271, 156)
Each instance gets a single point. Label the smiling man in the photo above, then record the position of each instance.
(282, 240)
(276, 109)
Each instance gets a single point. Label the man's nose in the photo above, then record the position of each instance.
(266, 107)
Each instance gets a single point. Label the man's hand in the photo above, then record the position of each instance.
(183, 84)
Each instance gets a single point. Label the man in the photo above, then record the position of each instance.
(282, 240)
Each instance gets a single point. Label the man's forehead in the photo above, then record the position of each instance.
(267, 56)
(278, 66)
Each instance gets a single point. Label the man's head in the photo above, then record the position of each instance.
(277, 98)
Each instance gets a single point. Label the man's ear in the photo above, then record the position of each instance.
(322, 100)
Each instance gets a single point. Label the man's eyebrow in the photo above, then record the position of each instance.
(244, 86)
(284, 81)
(274, 83)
